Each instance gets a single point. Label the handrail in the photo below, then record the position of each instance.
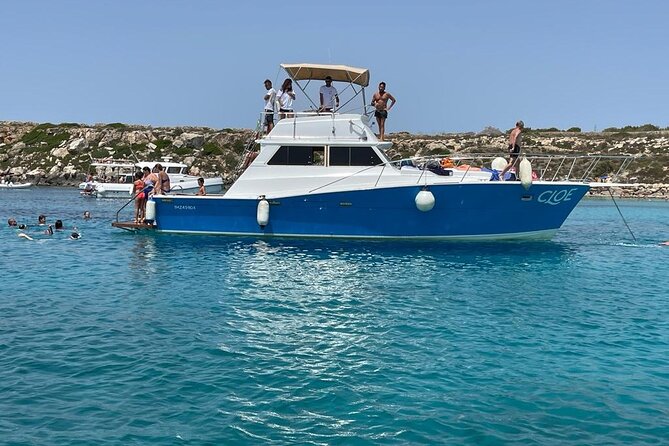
(132, 200)
(625, 160)
(541, 160)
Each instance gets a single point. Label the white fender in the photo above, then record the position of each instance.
(525, 173)
(262, 213)
(425, 200)
(498, 163)
(150, 213)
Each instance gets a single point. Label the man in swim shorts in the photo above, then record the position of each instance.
(515, 139)
(380, 102)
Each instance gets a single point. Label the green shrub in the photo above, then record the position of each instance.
(211, 149)
(633, 128)
(239, 146)
(99, 153)
(231, 159)
(123, 151)
(116, 125)
(39, 135)
(574, 129)
(162, 143)
(641, 128)
(183, 150)
(35, 149)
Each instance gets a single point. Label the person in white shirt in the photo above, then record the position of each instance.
(329, 96)
(286, 98)
(270, 97)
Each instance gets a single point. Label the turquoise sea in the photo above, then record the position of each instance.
(122, 339)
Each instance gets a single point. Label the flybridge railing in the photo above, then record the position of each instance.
(547, 167)
(367, 110)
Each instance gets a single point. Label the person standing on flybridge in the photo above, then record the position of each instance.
(329, 96)
(269, 98)
(380, 103)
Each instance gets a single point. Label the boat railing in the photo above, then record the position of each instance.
(367, 111)
(112, 162)
(547, 167)
(132, 200)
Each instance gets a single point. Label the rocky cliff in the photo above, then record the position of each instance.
(60, 154)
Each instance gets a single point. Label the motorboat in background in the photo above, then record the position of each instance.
(326, 174)
(115, 178)
(10, 185)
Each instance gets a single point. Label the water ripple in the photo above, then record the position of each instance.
(151, 339)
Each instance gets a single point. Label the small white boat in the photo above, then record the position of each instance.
(9, 185)
(116, 178)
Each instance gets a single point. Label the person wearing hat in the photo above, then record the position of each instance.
(329, 96)
(515, 139)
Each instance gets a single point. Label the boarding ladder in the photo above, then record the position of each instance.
(245, 159)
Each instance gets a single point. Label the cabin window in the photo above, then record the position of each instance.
(299, 156)
(353, 156)
(174, 169)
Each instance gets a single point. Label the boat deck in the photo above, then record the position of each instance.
(132, 226)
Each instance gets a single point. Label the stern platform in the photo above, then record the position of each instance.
(132, 226)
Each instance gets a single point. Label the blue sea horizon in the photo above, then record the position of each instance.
(120, 338)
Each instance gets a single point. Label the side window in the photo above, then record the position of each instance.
(299, 156)
(318, 156)
(280, 158)
(353, 156)
(364, 156)
(340, 156)
(173, 169)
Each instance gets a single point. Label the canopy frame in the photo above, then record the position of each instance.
(339, 73)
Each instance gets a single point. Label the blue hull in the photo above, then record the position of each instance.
(461, 211)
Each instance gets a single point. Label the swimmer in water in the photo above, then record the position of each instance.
(49, 230)
(75, 234)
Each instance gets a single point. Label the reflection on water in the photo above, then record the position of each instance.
(145, 256)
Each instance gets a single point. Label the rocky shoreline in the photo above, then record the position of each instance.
(60, 154)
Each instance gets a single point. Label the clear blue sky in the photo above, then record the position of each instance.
(453, 66)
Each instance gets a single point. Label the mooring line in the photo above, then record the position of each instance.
(621, 215)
